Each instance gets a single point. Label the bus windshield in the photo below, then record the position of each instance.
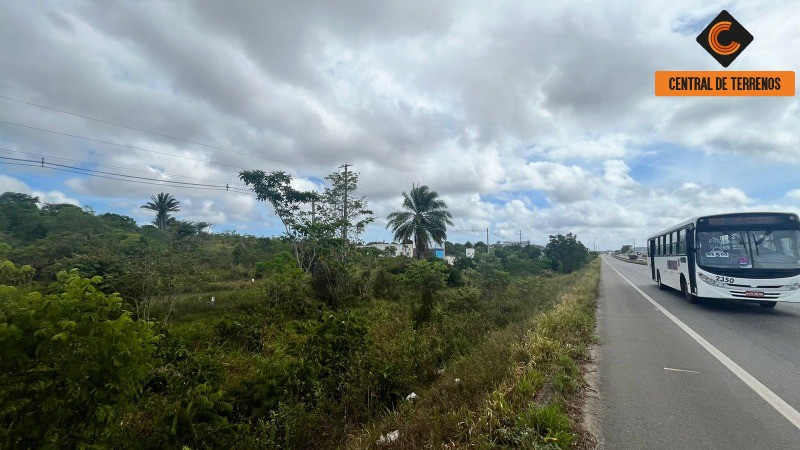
(749, 249)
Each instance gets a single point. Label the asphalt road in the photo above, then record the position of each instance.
(660, 388)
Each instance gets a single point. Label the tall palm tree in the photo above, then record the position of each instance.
(425, 218)
(162, 205)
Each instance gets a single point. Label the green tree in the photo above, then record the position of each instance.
(424, 219)
(11, 275)
(331, 206)
(427, 279)
(312, 220)
(290, 206)
(20, 217)
(626, 249)
(163, 204)
(566, 253)
(69, 364)
(154, 274)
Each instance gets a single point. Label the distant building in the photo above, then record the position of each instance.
(381, 245)
(438, 252)
(407, 248)
(450, 259)
(470, 252)
(514, 243)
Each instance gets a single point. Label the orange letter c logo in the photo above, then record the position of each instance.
(713, 39)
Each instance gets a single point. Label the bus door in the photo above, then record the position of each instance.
(690, 255)
(652, 251)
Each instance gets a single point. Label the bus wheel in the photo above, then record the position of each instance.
(661, 285)
(767, 304)
(685, 291)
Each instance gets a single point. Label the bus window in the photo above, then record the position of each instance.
(672, 243)
(682, 241)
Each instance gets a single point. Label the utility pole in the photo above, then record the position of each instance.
(520, 238)
(313, 209)
(488, 247)
(345, 221)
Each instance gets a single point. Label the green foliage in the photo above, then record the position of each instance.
(199, 419)
(20, 217)
(332, 204)
(313, 365)
(313, 221)
(287, 288)
(13, 276)
(492, 277)
(566, 253)
(75, 358)
(544, 424)
(424, 218)
(162, 205)
(426, 278)
(310, 352)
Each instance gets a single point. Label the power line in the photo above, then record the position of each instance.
(160, 134)
(120, 145)
(127, 145)
(92, 163)
(117, 176)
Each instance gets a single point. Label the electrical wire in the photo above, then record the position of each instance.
(148, 172)
(159, 134)
(117, 176)
(120, 145)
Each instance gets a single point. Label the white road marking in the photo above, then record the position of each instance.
(680, 370)
(764, 392)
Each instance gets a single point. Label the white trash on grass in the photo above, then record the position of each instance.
(388, 438)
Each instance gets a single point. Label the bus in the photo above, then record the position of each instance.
(753, 257)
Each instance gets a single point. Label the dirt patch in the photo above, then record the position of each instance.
(586, 409)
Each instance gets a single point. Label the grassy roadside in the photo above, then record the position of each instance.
(517, 389)
(537, 406)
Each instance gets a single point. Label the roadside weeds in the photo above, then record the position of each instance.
(533, 400)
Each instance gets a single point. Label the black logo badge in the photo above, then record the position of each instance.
(724, 38)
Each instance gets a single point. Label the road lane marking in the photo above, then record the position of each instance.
(764, 392)
(680, 370)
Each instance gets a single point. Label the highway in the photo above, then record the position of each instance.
(660, 387)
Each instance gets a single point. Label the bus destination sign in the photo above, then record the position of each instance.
(746, 220)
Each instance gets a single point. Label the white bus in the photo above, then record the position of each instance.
(743, 256)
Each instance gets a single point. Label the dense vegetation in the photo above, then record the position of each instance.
(147, 337)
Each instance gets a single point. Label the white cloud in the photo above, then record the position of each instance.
(794, 194)
(11, 184)
(534, 117)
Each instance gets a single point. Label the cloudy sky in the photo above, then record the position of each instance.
(531, 116)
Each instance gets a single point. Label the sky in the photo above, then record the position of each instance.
(533, 117)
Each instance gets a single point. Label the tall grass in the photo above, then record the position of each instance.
(514, 388)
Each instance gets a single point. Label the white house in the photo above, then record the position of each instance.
(381, 245)
(407, 248)
(470, 252)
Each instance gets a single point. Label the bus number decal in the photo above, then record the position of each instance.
(725, 279)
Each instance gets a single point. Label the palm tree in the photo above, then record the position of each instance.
(424, 218)
(162, 205)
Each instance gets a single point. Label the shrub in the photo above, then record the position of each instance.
(427, 279)
(199, 420)
(287, 288)
(75, 358)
